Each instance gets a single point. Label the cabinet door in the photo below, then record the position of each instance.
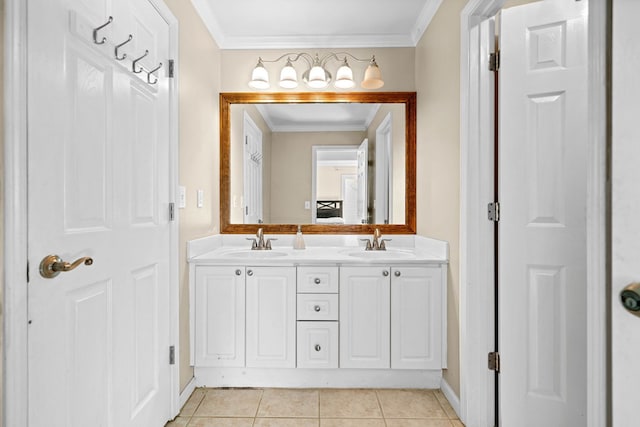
(220, 314)
(364, 317)
(317, 345)
(416, 312)
(271, 317)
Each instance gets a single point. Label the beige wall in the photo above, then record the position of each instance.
(396, 65)
(329, 181)
(438, 151)
(199, 87)
(291, 171)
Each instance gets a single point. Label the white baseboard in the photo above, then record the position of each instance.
(186, 393)
(448, 392)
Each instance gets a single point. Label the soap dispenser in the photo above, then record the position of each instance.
(298, 242)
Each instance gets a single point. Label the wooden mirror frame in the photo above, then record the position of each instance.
(406, 98)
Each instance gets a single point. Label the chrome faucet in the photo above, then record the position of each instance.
(258, 243)
(376, 243)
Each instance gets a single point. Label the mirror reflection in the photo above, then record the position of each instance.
(317, 163)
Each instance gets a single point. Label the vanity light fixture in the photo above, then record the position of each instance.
(316, 75)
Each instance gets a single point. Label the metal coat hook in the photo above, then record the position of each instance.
(150, 73)
(95, 31)
(124, 55)
(135, 61)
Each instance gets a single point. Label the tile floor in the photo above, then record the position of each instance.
(316, 408)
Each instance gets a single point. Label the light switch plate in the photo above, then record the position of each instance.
(200, 198)
(182, 197)
(307, 204)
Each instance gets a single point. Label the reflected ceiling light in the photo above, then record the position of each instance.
(316, 76)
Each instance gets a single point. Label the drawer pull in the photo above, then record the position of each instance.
(397, 273)
(238, 272)
(316, 308)
(250, 273)
(317, 280)
(318, 348)
(385, 273)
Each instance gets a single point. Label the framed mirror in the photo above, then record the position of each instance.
(334, 163)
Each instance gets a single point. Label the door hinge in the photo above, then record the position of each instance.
(172, 211)
(172, 355)
(494, 211)
(171, 68)
(494, 361)
(494, 61)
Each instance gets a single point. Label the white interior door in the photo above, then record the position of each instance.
(350, 199)
(542, 188)
(252, 172)
(383, 163)
(99, 187)
(625, 226)
(363, 165)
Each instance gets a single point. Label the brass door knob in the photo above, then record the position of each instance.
(52, 265)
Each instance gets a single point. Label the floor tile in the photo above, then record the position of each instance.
(410, 404)
(193, 402)
(220, 422)
(349, 404)
(286, 422)
(457, 423)
(289, 403)
(408, 422)
(351, 422)
(448, 409)
(178, 422)
(229, 403)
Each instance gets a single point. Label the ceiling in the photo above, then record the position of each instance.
(282, 24)
(318, 117)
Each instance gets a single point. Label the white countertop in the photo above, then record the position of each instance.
(320, 249)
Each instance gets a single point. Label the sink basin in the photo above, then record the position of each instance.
(256, 254)
(388, 254)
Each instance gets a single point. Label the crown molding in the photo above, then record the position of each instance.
(424, 19)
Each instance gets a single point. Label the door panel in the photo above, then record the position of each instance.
(98, 173)
(542, 243)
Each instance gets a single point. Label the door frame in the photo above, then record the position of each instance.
(476, 323)
(15, 251)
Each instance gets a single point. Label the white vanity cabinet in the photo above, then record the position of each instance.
(416, 313)
(365, 317)
(271, 317)
(220, 316)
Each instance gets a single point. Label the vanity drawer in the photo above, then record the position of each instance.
(318, 280)
(318, 307)
(317, 345)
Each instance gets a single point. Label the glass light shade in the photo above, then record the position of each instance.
(288, 77)
(372, 76)
(318, 77)
(344, 77)
(259, 77)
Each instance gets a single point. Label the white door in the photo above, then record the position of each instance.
(542, 189)
(252, 172)
(98, 173)
(271, 317)
(350, 199)
(365, 317)
(220, 316)
(383, 162)
(625, 226)
(363, 165)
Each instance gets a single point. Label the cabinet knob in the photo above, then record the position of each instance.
(316, 308)
(397, 274)
(317, 280)
(385, 273)
(249, 272)
(318, 348)
(238, 272)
